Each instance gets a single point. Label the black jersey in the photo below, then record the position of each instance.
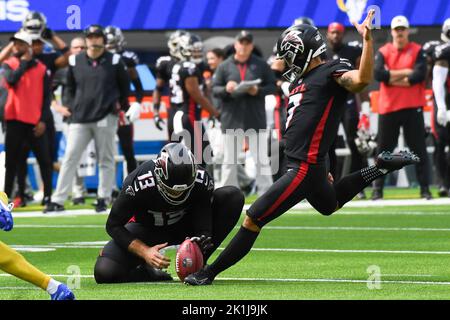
(351, 51)
(141, 201)
(178, 93)
(442, 52)
(429, 48)
(316, 106)
(130, 58)
(164, 66)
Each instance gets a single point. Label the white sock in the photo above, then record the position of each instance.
(52, 286)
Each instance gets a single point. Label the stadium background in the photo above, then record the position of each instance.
(147, 23)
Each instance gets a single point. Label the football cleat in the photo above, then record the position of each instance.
(392, 161)
(202, 277)
(63, 293)
(53, 206)
(425, 193)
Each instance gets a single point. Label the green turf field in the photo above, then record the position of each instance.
(302, 255)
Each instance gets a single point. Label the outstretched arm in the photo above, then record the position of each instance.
(357, 80)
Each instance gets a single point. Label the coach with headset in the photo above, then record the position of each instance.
(99, 85)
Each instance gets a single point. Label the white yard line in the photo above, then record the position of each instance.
(300, 206)
(319, 280)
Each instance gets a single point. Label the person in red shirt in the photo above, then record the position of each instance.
(401, 68)
(26, 110)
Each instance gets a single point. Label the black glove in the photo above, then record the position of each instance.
(204, 242)
(47, 34)
(158, 122)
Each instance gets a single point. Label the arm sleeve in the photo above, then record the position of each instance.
(439, 77)
(13, 76)
(219, 83)
(70, 89)
(118, 217)
(46, 101)
(380, 73)
(420, 69)
(138, 89)
(123, 82)
(269, 81)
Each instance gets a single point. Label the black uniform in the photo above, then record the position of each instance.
(440, 133)
(164, 67)
(125, 130)
(189, 112)
(140, 212)
(351, 51)
(316, 106)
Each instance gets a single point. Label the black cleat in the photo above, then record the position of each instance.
(443, 192)
(425, 193)
(53, 206)
(392, 161)
(78, 201)
(100, 206)
(377, 194)
(202, 277)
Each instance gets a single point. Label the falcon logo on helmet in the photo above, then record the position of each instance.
(175, 173)
(297, 46)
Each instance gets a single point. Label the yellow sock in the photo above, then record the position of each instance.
(14, 263)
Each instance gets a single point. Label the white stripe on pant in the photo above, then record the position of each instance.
(79, 136)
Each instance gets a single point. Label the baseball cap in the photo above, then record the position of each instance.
(94, 29)
(244, 35)
(336, 26)
(22, 36)
(399, 21)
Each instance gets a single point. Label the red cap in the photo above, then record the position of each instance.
(336, 26)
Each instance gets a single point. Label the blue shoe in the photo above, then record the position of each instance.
(63, 293)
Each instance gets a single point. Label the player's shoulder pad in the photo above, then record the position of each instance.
(163, 60)
(429, 46)
(72, 60)
(355, 44)
(189, 67)
(204, 179)
(115, 58)
(339, 66)
(131, 55)
(442, 51)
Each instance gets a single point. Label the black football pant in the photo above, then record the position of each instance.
(19, 140)
(441, 158)
(412, 122)
(350, 122)
(126, 142)
(306, 181)
(116, 265)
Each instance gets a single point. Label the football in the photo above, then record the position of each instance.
(189, 259)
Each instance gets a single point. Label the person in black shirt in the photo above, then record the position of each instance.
(98, 84)
(161, 203)
(352, 51)
(115, 42)
(316, 103)
(164, 66)
(186, 93)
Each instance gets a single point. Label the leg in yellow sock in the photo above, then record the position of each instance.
(14, 263)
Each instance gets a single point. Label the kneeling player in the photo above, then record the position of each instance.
(14, 263)
(161, 203)
(316, 104)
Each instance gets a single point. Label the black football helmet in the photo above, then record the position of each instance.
(115, 41)
(297, 45)
(95, 29)
(173, 43)
(175, 172)
(445, 33)
(191, 48)
(34, 23)
(304, 20)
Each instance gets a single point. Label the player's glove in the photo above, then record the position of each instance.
(204, 242)
(441, 117)
(134, 112)
(47, 34)
(158, 121)
(6, 219)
